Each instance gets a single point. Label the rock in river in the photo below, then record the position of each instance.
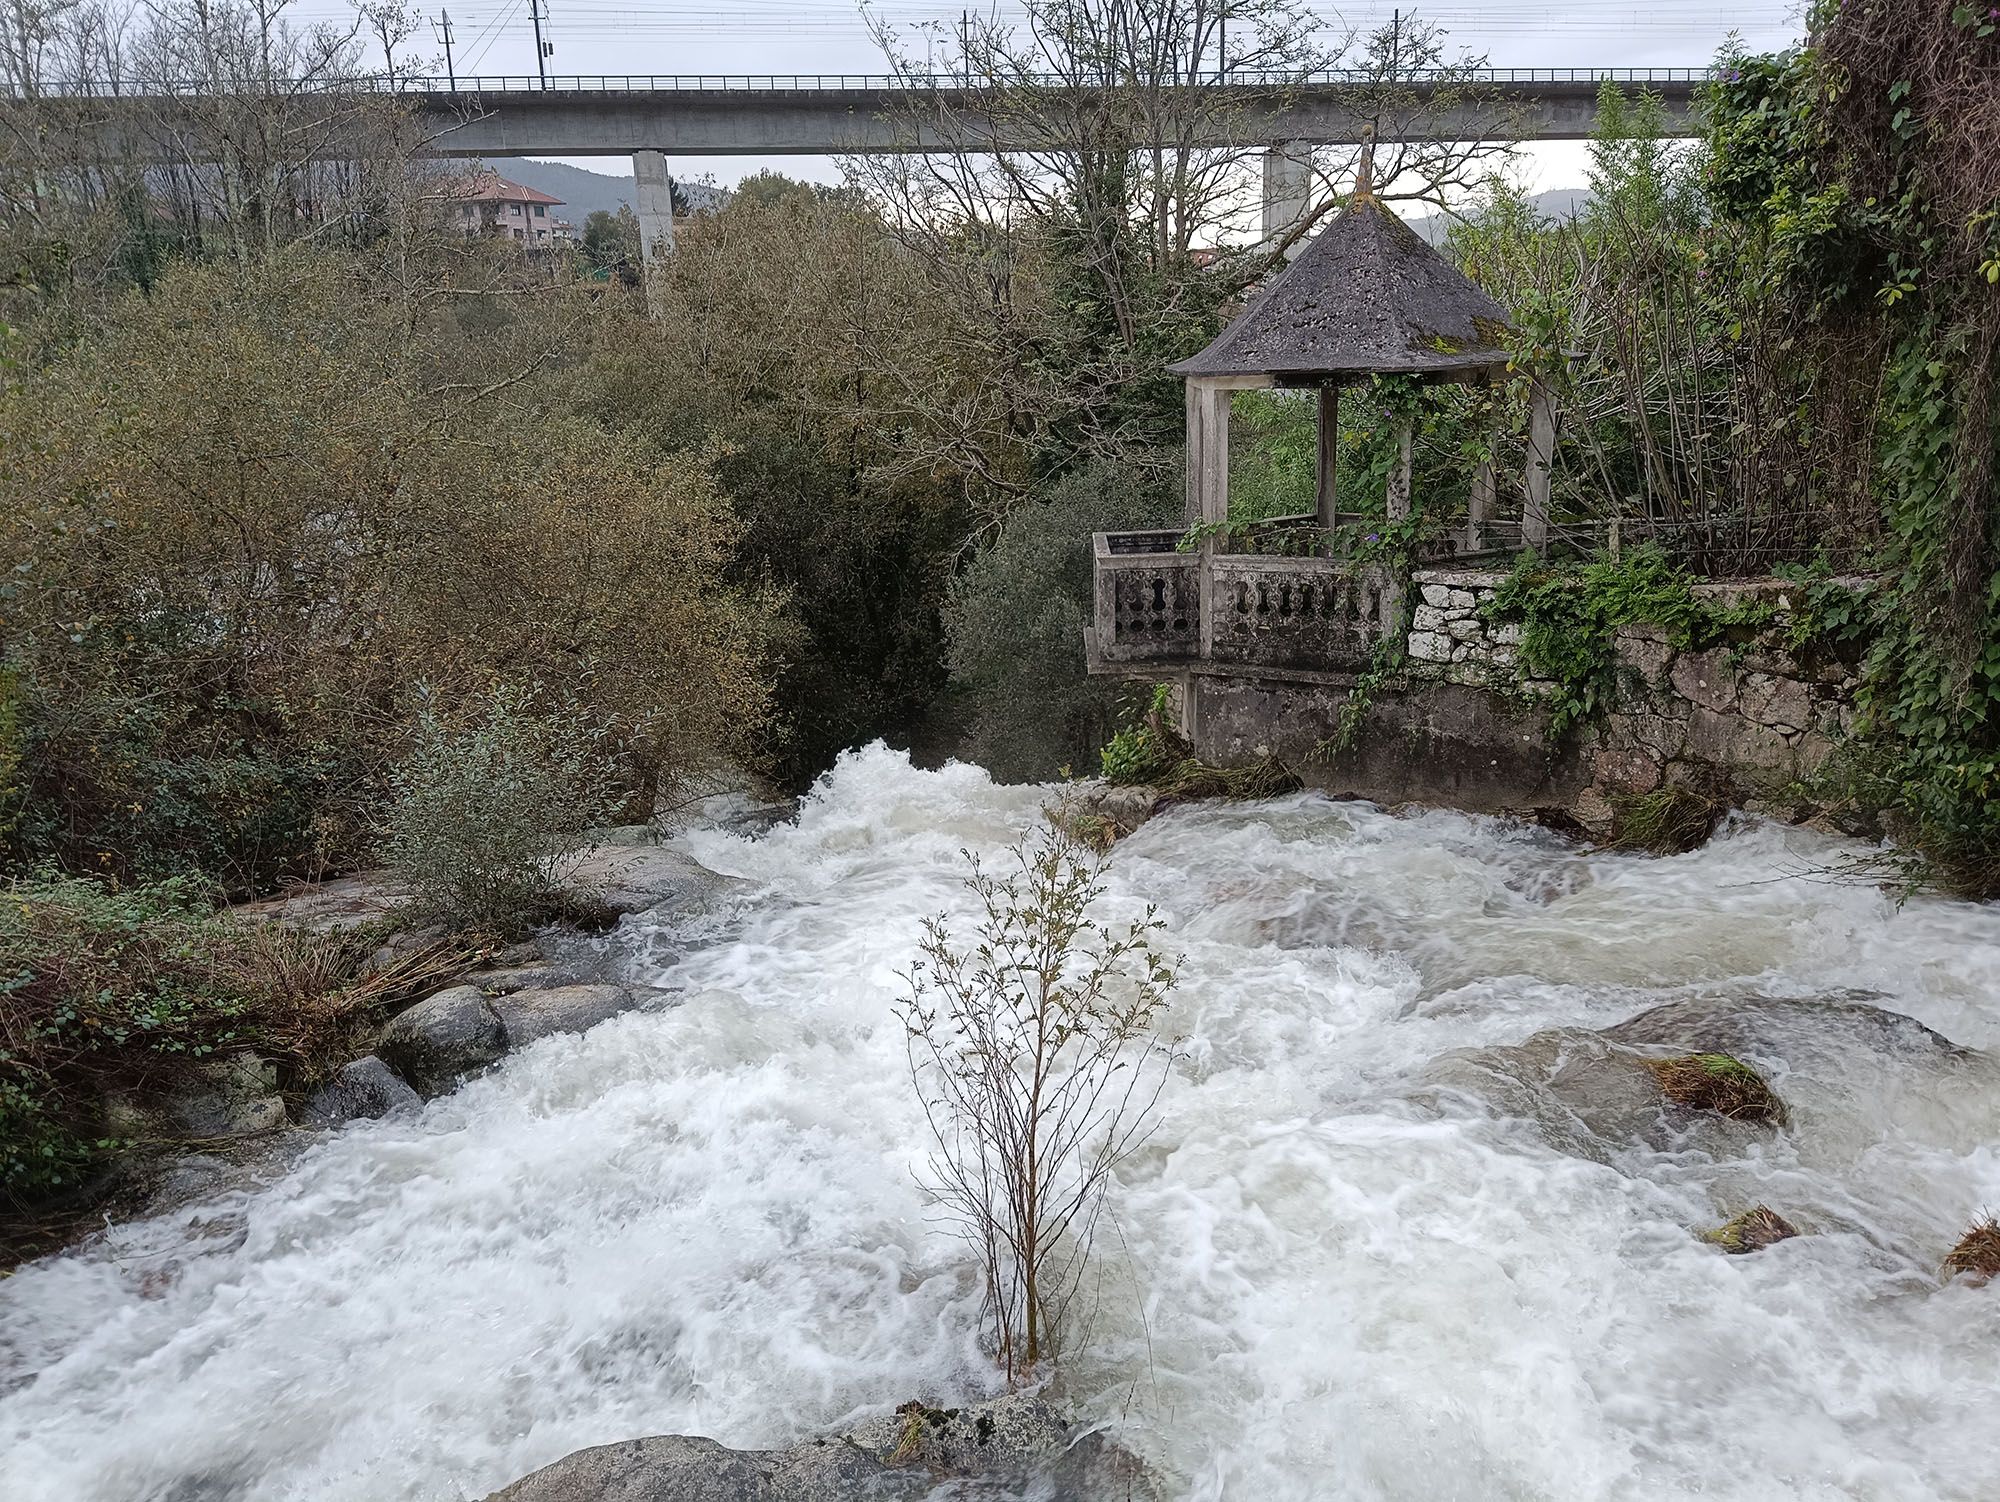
(443, 1038)
(910, 1454)
(364, 1087)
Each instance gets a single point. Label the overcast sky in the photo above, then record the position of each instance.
(831, 36)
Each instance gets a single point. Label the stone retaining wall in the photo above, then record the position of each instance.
(1746, 722)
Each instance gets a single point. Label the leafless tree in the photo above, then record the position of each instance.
(1088, 166)
(1035, 1055)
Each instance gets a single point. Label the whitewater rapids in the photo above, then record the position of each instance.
(1322, 1284)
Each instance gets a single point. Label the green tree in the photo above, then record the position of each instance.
(1018, 612)
(611, 243)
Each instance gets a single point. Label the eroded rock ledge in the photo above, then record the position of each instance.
(906, 1455)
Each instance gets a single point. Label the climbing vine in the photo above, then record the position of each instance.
(1872, 157)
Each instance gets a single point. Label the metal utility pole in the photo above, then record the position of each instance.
(1222, 45)
(538, 13)
(441, 27)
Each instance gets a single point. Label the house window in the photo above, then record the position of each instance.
(541, 212)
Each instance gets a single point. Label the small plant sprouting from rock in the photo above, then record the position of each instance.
(1977, 1255)
(1667, 821)
(1720, 1083)
(1034, 1053)
(1751, 1231)
(1145, 752)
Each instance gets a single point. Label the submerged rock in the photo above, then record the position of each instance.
(1751, 1231)
(910, 1454)
(364, 1087)
(1977, 1255)
(443, 1038)
(1717, 1082)
(687, 1468)
(1804, 1031)
(1105, 815)
(1010, 1436)
(1594, 1093)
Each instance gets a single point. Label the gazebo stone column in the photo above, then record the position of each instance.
(1208, 400)
(1397, 502)
(1541, 453)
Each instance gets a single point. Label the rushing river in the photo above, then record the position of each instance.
(1331, 1275)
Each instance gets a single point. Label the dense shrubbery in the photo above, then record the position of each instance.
(1867, 164)
(250, 516)
(1018, 612)
(100, 988)
(488, 807)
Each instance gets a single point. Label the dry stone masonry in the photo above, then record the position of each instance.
(1451, 640)
(1749, 718)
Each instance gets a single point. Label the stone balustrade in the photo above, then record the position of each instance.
(1310, 614)
(1148, 599)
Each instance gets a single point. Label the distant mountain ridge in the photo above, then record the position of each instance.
(1557, 204)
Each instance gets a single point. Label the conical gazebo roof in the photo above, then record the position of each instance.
(1366, 295)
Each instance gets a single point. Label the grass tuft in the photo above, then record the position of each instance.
(1191, 781)
(1669, 821)
(1977, 1255)
(1719, 1083)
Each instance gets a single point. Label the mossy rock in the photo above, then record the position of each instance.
(1751, 1231)
(1977, 1255)
(1717, 1082)
(1088, 827)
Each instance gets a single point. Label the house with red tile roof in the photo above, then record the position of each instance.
(485, 203)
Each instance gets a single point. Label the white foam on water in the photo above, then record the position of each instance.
(703, 1218)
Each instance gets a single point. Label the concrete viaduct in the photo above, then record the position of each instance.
(649, 119)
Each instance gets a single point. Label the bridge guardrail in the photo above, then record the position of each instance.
(844, 83)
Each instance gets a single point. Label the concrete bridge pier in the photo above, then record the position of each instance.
(655, 206)
(1287, 188)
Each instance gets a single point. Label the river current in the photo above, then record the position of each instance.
(1325, 1277)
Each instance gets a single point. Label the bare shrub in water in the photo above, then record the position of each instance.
(1034, 1053)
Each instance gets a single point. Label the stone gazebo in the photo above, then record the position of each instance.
(1367, 296)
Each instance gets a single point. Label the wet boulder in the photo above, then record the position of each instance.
(534, 1013)
(1805, 1031)
(1594, 1093)
(363, 1088)
(1751, 1231)
(443, 1038)
(916, 1452)
(687, 1468)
